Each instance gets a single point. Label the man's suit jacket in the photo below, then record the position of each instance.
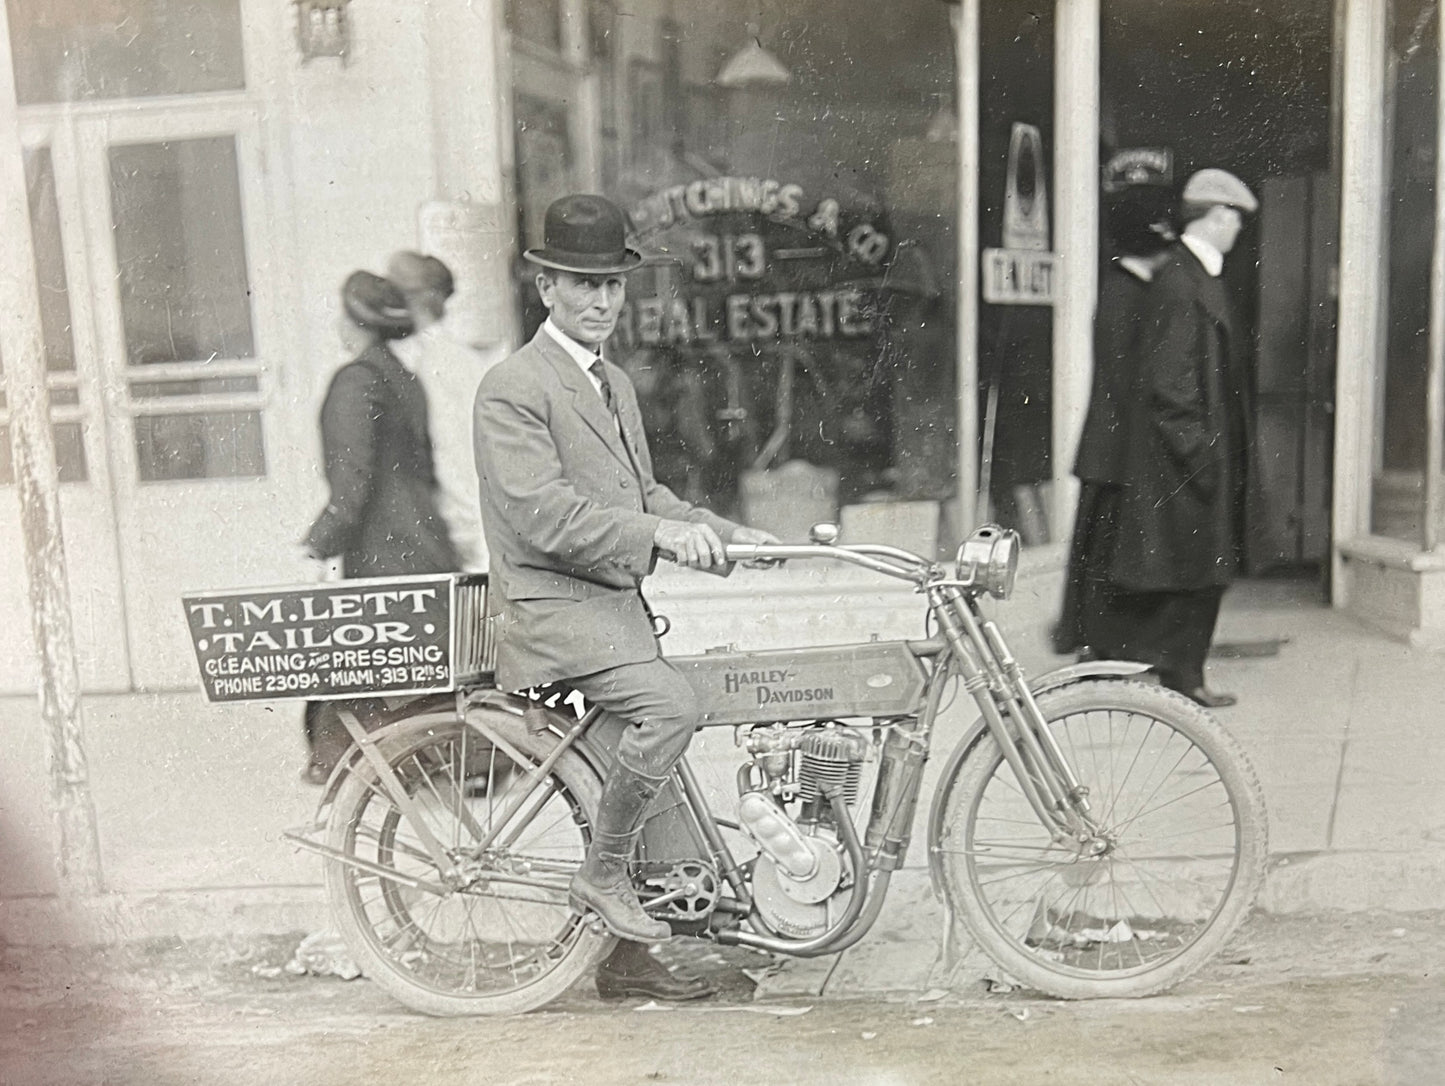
(382, 515)
(1188, 429)
(569, 508)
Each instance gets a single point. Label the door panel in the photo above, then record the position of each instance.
(177, 457)
(78, 430)
(1294, 374)
(206, 497)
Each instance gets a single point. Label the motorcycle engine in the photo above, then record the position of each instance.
(801, 868)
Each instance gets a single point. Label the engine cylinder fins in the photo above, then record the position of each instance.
(831, 758)
(834, 744)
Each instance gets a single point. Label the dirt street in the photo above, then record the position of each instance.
(1349, 999)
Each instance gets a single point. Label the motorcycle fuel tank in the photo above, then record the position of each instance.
(876, 679)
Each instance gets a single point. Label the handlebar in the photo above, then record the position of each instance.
(890, 561)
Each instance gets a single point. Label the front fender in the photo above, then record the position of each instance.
(1042, 684)
(1077, 673)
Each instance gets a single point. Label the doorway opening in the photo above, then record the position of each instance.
(1248, 87)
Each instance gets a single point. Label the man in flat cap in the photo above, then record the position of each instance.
(574, 520)
(449, 371)
(1186, 432)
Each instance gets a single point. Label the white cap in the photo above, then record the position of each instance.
(1219, 187)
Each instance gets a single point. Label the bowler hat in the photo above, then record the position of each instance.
(414, 272)
(375, 303)
(1214, 187)
(586, 235)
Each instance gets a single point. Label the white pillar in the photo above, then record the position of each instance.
(1362, 269)
(966, 58)
(1435, 389)
(1076, 237)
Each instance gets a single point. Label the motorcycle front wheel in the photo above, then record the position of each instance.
(500, 938)
(1173, 867)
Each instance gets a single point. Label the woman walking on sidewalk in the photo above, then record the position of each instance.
(382, 518)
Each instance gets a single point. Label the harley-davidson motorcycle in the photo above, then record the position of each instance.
(1098, 835)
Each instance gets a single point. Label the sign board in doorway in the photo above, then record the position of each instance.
(1019, 277)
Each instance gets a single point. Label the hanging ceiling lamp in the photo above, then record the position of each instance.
(753, 66)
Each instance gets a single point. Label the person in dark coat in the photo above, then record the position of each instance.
(381, 518)
(1138, 219)
(1183, 436)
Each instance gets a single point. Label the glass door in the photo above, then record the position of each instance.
(78, 431)
(205, 497)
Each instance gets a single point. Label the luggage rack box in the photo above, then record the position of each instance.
(370, 637)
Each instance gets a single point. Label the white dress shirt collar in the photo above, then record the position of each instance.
(1208, 255)
(583, 356)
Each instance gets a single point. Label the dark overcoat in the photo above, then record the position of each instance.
(1187, 431)
(1104, 443)
(382, 514)
(570, 507)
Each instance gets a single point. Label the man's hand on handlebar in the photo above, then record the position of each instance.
(698, 546)
(694, 545)
(757, 537)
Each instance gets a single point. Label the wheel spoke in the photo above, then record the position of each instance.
(1119, 912)
(484, 944)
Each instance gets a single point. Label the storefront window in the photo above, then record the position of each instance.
(792, 341)
(1400, 445)
(77, 50)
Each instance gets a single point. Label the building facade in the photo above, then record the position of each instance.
(875, 249)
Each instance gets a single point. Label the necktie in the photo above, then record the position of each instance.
(605, 388)
(598, 371)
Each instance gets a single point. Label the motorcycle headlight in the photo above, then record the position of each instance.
(988, 560)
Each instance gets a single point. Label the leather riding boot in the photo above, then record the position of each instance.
(631, 971)
(602, 884)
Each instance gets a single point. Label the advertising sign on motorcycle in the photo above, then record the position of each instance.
(367, 637)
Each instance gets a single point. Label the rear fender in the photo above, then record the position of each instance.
(1042, 684)
(444, 708)
(441, 706)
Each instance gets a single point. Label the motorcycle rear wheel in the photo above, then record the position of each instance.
(1183, 814)
(493, 947)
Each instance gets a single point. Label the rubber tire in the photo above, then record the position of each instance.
(1240, 782)
(401, 742)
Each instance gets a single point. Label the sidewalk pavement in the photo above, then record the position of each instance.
(1340, 726)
